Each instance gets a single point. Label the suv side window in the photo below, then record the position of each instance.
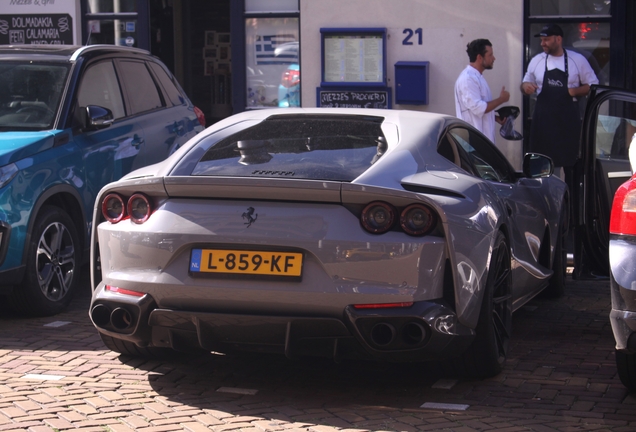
(100, 87)
(141, 89)
(168, 85)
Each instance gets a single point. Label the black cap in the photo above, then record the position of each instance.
(550, 30)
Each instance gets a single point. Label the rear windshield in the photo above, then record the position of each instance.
(30, 94)
(317, 147)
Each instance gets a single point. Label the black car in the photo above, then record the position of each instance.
(608, 127)
(72, 119)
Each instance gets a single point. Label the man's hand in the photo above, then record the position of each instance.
(579, 91)
(528, 87)
(504, 96)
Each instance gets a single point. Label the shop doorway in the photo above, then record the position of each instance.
(192, 37)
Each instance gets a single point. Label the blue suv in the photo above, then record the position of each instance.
(72, 119)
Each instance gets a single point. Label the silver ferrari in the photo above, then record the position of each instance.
(379, 234)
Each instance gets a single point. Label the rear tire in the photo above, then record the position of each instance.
(487, 354)
(626, 366)
(130, 349)
(556, 286)
(53, 265)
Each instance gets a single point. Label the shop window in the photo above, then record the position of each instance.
(112, 6)
(272, 62)
(569, 7)
(121, 32)
(257, 6)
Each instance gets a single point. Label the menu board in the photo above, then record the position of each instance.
(36, 29)
(350, 57)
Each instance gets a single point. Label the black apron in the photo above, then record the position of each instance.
(556, 123)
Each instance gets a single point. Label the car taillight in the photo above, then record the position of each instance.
(200, 116)
(290, 78)
(124, 291)
(113, 208)
(623, 217)
(139, 208)
(378, 217)
(417, 219)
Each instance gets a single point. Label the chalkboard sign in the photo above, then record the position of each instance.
(347, 98)
(41, 29)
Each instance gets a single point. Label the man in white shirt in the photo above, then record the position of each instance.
(473, 100)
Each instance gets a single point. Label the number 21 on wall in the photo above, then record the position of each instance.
(409, 34)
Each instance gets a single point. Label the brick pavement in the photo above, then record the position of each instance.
(55, 375)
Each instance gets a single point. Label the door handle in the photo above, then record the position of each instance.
(137, 141)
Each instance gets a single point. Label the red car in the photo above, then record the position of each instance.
(622, 253)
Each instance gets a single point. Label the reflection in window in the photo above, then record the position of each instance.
(140, 87)
(615, 128)
(272, 62)
(100, 87)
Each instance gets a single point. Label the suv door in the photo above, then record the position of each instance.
(155, 110)
(114, 151)
(608, 127)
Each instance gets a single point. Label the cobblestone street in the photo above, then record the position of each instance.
(56, 375)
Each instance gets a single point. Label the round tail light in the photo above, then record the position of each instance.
(378, 217)
(113, 208)
(139, 208)
(416, 219)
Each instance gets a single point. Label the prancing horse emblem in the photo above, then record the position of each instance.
(248, 216)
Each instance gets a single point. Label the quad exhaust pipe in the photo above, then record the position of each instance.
(119, 318)
(384, 334)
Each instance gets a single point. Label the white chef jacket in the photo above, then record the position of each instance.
(579, 70)
(472, 95)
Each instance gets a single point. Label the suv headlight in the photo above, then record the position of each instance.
(7, 173)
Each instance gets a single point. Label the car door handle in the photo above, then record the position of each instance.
(137, 141)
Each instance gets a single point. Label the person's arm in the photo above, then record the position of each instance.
(504, 96)
(528, 87)
(582, 90)
(529, 82)
(586, 77)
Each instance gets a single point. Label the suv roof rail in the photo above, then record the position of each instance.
(104, 47)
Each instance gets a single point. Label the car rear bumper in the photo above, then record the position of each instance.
(427, 330)
(623, 314)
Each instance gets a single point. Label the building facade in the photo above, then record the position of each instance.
(236, 55)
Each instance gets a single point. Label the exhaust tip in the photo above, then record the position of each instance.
(100, 315)
(414, 333)
(382, 334)
(121, 319)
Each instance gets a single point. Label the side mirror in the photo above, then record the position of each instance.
(98, 117)
(537, 165)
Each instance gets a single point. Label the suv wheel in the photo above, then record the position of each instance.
(52, 266)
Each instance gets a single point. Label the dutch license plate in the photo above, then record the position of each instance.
(246, 262)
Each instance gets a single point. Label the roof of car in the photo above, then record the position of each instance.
(60, 52)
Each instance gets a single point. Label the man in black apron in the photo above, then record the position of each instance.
(556, 121)
(559, 77)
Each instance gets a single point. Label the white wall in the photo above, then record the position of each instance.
(447, 27)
